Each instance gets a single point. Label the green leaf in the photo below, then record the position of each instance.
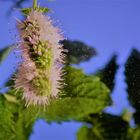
(44, 9)
(133, 133)
(4, 53)
(104, 127)
(23, 124)
(16, 121)
(85, 133)
(6, 121)
(82, 95)
(26, 11)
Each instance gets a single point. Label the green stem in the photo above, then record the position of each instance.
(34, 4)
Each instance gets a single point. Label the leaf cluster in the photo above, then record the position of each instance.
(82, 95)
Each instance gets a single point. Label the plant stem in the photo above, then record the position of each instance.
(34, 4)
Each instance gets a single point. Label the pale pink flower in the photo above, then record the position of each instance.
(39, 37)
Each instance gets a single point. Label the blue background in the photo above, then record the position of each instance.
(110, 26)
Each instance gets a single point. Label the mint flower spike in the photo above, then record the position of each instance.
(41, 71)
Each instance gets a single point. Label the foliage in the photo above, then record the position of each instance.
(108, 73)
(26, 11)
(133, 79)
(6, 121)
(103, 127)
(78, 51)
(82, 95)
(4, 53)
(132, 73)
(110, 127)
(107, 127)
(83, 98)
(15, 122)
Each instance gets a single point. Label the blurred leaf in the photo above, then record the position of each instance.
(104, 127)
(4, 53)
(108, 74)
(85, 133)
(127, 115)
(133, 134)
(78, 51)
(136, 116)
(132, 73)
(112, 128)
